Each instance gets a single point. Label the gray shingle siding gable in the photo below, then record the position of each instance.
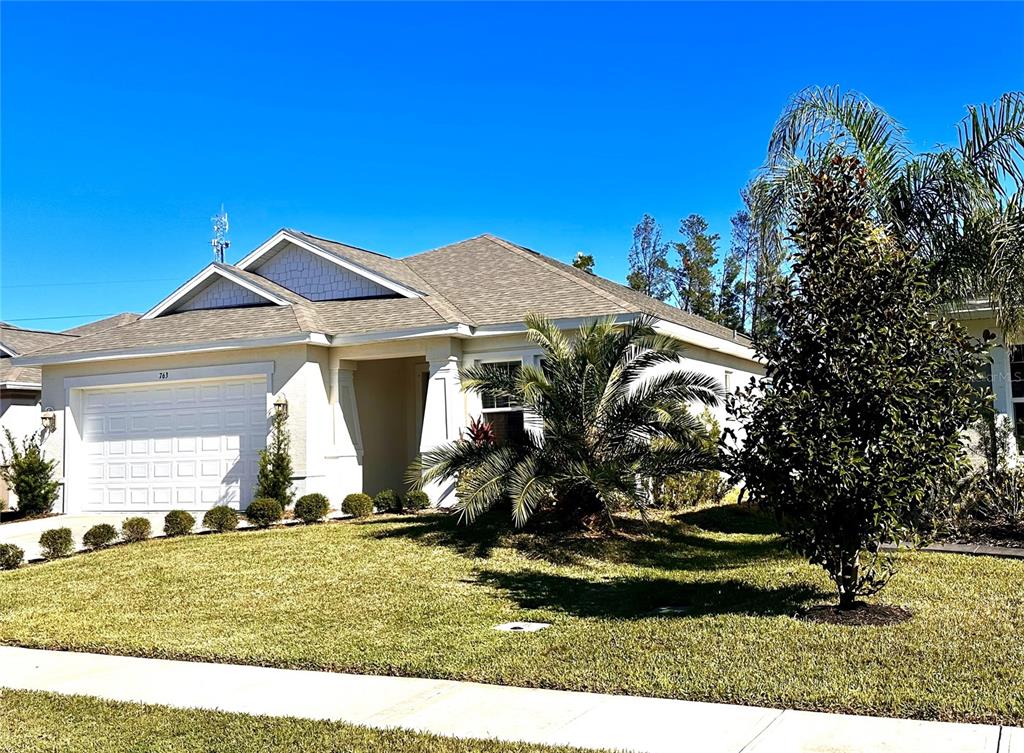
(221, 294)
(315, 278)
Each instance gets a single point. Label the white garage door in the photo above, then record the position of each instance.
(187, 445)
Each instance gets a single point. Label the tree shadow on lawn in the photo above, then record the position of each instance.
(631, 599)
(659, 543)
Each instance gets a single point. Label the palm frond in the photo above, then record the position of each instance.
(992, 141)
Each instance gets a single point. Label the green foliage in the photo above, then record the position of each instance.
(584, 262)
(357, 505)
(99, 536)
(221, 519)
(859, 420)
(10, 556)
(388, 500)
(312, 508)
(178, 523)
(136, 529)
(28, 474)
(417, 500)
(609, 421)
(263, 512)
(649, 270)
(274, 479)
(56, 543)
(694, 279)
(707, 487)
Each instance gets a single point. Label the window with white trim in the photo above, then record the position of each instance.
(502, 412)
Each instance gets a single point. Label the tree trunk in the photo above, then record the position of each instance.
(848, 577)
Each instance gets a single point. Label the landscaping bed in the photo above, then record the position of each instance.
(43, 723)
(419, 596)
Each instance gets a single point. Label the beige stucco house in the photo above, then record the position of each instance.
(363, 352)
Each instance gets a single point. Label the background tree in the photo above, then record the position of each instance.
(744, 247)
(612, 401)
(730, 290)
(960, 209)
(694, 279)
(648, 260)
(860, 418)
(584, 261)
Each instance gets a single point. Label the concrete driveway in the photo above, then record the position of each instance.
(25, 533)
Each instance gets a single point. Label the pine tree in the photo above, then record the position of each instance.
(648, 260)
(694, 278)
(584, 261)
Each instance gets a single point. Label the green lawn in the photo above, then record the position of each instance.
(45, 723)
(419, 596)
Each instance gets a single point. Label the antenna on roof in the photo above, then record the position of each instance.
(220, 242)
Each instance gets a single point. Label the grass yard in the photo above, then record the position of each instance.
(45, 723)
(419, 596)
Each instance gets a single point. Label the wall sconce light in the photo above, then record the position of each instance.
(281, 406)
(49, 419)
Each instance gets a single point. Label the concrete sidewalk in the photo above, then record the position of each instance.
(465, 709)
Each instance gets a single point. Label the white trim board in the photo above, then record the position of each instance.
(156, 376)
(182, 292)
(283, 235)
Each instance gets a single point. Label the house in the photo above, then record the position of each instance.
(21, 386)
(362, 351)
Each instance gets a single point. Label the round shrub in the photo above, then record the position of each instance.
(388, 501)
(263, 512)
(178, 523)
(312, 508)
(220, 518)
(417, 500)
(10, 556)
(136, 529)
(99, 536)
(56, 543)
(357, 505)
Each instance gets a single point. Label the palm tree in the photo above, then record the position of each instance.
(960, 208)
(613, 405)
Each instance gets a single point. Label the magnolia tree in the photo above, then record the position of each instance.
(867, 391)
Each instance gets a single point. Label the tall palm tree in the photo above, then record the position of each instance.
(961, 208)
(613, 403)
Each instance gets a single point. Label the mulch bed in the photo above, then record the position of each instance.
(862, 613)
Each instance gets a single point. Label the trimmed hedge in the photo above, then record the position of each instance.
(417, 500)
(263, 512)
(178, 523)
(312, 508)
(357, 505)
(388, 500)
(10, 556)
(56, 543)
(220, 519)
(136, 529)
(99, 536)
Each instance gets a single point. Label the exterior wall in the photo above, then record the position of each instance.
(316, 278)
(291, 379)
(19, 414)
(1000, 354)
(221, 294)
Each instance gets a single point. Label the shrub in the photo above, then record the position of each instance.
(56, 543)
(136, 529)
(263, 512)
(178, 523)
(312, 508)
(274, 479)
(867, 394)
(388, 500)
(220, 518)
(357, 505)
(99, 536)
(417, 500)
(10, 556)
(29, 475)
(707, 487)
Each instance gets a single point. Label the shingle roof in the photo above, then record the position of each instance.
(101, 324)
(479, 281)
(23, 341)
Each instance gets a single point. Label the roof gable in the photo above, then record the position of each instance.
(315, 277)
(219, 286)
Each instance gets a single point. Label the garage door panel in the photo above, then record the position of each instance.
(161, 447)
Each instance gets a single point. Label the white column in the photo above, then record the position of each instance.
(443, 415)
(346, 454)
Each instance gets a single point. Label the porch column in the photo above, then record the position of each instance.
(443, 415)
(346, 454)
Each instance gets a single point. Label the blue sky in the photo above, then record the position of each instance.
(404, 127)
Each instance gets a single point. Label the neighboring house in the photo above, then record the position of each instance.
(363, 352)
(21, 386)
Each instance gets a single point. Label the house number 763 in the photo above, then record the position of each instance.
(162, 375)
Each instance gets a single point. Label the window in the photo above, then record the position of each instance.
(502, 412)
(1017, 392)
